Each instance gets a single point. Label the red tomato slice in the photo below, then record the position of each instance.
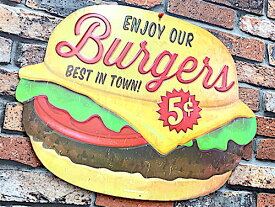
(91, 131)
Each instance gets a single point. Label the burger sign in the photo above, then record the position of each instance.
(135, 104)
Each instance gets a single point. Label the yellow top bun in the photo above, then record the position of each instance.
(140, 107)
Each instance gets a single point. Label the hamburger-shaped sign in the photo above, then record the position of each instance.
(135, 104)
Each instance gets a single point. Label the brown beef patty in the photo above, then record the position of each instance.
(183, 162)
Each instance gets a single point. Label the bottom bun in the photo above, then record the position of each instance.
(123, 184)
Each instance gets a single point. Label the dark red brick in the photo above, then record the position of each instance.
(18, 149)
(143, 3)
(266, 126)
(248, 48)
(250, 97)
(266, 149)
(255, 6)
(256, 74)
(110, 201)
(247, 151)
(203, 11)
(266, 200)
(8, 82)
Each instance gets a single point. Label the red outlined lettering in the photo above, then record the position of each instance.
(159, 77)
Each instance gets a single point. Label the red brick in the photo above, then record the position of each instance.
(29, 54)
(251, 49)
(255, 6)
(256, 74)
(26, 23)
(258, 27)
(247, 151)
(266, 149)
(8, 82)
(13, 117)
(271, 9)
(203, 11)
(266, 200)
(18, 149)
(110, 201)
(143, 3)
(253, 176)
(250, 97)
(266, 126)
(271, 54)
(5, 50)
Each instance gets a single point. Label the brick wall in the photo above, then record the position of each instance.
(246, 27)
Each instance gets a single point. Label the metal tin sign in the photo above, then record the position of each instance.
(135, 104)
